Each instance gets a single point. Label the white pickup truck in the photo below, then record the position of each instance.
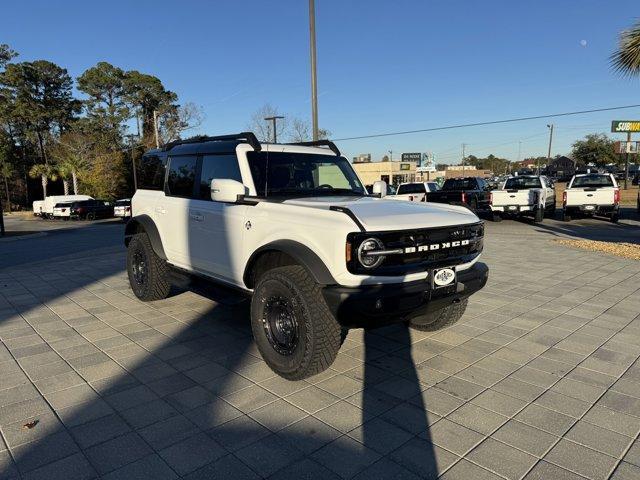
(592, 194)
(415, 191)
(525, 195)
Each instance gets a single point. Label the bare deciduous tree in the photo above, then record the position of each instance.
(177, 119)
(301, 131)
(262, 128)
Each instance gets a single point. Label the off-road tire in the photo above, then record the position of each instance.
(496, 217)
(319, 333)
(156, 284)
(90, 216)
(565, 216)
(441, 319)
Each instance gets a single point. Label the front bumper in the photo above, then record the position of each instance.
(377, 305)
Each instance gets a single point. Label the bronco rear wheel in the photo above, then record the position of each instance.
(294, 330)
(441, 318)
(148, 273)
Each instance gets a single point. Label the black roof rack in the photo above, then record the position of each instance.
(249, 137)
(319, 143)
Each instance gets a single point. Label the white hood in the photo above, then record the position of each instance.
(378, 214)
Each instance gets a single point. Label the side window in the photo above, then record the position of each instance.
(217, 166)
(182, 176)
(150, 172)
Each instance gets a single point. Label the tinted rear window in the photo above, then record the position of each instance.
(460, 184)
(411, 188)
(594, 181)
(522, 183)
(150, 172)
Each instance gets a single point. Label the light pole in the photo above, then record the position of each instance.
(274, 119)
(314, 77)
(391, 155)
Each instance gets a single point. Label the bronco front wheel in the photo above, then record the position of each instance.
(294, 330)
(148, 273)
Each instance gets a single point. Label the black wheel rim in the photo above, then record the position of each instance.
(139, 267)
(280, 324)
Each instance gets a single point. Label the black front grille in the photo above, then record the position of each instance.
(422, 249)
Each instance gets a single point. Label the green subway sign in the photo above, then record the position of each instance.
(625, 126)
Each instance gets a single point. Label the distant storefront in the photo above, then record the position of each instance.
(394, 173)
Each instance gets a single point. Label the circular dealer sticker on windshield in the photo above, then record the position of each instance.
(444, 277)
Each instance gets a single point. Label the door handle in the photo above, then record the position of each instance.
(198, 217)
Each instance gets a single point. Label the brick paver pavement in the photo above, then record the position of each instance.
(540, 379)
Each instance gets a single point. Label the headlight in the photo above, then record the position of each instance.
(369, 245)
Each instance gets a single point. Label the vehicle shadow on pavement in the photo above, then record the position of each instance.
(604, 230)
(125, 389)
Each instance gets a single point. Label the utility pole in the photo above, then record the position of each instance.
(2, 217)
(314, 77)
(132, 145)
(391, 155)
(550, 127)
(626, 162)
(155, 128)
(274, 119)
(519, 149)
(464, 146)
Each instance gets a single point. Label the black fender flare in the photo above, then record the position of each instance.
(145, 223)
(302, 254)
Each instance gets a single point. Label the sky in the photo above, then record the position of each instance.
(383, 66)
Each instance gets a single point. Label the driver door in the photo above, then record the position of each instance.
(217, 228)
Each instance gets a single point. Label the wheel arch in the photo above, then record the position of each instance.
(286, 252)
(145, 224)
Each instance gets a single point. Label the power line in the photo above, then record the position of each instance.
(492, 122)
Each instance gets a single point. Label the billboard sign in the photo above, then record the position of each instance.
(412, 157)
(625, 126)
(627, 147)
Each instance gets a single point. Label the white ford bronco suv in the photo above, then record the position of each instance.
(293, 226)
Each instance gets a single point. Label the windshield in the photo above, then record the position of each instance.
(460, 184)
(123, 203)
(411, 188)
(302, 174)
(594, 181)
(522, 183)
(61, 205)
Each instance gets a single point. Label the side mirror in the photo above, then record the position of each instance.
(379, 188)
(226, 190)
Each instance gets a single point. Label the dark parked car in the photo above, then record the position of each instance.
(91, 209)
(471, 192)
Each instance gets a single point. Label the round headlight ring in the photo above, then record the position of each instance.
(368, 245)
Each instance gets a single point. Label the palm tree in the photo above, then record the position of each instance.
(46, 173)
(7, 171)
(74, 165)
(73, 150)
(65, 171)
(626, 60)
